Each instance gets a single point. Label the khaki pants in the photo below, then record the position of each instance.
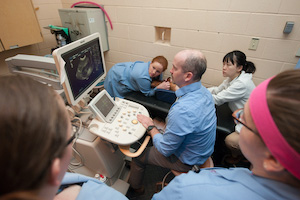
(151, 156)
(232, 142)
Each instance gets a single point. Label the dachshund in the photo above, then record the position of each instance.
(173, 87)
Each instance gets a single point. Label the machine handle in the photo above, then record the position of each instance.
(125, 149)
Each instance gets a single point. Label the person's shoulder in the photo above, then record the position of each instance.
(99, 188)
(140, 67)
(245, 77)
(205, 184)
(193, 97)
(69, 193)
(205, 95)
(244, 82)
(219, 171)
(214, 177)
(123, 64)
(240, 82)
(140, 64)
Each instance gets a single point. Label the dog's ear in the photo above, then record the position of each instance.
(173, 87)
(155, 83)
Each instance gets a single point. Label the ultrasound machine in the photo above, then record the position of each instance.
(104, 127)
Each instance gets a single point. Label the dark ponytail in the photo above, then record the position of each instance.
(249, 67)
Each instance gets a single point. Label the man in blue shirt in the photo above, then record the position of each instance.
(190, 131)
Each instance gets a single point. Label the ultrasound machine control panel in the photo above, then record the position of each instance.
(116, 121)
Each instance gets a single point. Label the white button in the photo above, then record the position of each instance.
(134, 121)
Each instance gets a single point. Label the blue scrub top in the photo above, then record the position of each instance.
(92, 188)
(127, 77)
(222, 184)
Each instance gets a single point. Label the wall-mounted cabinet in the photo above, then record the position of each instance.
(18, 24)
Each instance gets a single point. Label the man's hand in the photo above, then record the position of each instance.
(164, 85)
(145, 121)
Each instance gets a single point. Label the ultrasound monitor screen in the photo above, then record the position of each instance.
(83, 66)
(104, 105)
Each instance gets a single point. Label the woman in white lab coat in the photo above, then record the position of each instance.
(235, 90)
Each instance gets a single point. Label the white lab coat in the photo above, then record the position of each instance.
(235, 92)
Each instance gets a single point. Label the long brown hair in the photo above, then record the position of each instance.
(33, 124)
(283, 97)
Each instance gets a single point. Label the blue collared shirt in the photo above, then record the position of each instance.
(191, 126)
(222, 184)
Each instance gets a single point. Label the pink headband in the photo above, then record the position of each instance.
(269, 132)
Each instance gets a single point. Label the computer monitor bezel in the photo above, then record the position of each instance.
(60, 65)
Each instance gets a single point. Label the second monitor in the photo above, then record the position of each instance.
(104, 107)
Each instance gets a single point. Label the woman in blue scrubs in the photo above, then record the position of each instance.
(127, 77)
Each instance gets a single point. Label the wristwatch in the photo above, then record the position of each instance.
(149, 128)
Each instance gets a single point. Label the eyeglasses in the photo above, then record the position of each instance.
(237, 116)
(71, 139)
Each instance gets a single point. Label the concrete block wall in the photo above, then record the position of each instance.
(212, 26)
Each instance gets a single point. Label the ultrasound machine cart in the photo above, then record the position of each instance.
(114, 125)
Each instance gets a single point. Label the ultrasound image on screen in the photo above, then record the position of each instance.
(104, 105)
(83, 66)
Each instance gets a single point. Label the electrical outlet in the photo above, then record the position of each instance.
(254, 43)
